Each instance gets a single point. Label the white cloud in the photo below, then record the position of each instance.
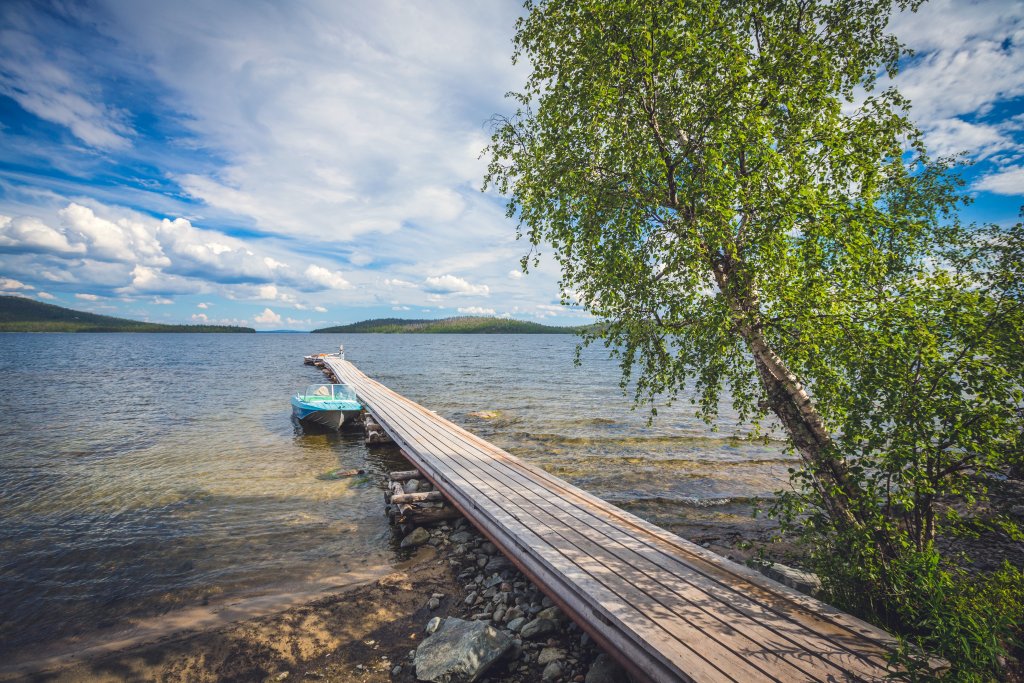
(200, 318)
(267, 317)
(319, 309)
(515, 274)
(125, 240)
(395, 282)
(11, 283)
(45, 295)
(203, 305)
(87, 297)
(162, 301)
(297, 321)
(970, 56)
(450, 284)
(146, 280)
(330, 279)
(476, 310)
(59, 89)
(268, 293)
(1009, 181)
(27, 233)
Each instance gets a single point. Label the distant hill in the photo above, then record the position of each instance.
(463, 325)
(18, 314)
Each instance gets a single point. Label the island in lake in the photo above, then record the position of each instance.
(18, 314)
(459, 325)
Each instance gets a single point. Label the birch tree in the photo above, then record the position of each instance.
(729, 190)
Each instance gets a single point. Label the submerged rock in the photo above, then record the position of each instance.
(418, 536)
(460, 651)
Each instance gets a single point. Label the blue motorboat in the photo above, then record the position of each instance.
(328, 405)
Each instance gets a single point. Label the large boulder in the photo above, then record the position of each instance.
(460, 651)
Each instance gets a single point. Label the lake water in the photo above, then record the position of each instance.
(140, 474)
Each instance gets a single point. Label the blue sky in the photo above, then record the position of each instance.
(286, 165)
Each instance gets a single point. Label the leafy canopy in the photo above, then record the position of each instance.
(725, 186)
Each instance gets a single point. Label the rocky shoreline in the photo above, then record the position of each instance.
(499, 626)
(456, 610)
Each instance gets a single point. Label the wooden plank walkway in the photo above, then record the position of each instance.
(666, 608)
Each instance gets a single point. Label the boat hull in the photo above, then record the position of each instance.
(332, 419)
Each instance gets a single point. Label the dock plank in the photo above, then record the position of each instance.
(666, 608)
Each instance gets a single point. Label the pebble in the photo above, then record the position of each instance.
(433, 603)
(471, 598)
(432, 625)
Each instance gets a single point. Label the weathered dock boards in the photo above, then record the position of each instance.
(668, 609)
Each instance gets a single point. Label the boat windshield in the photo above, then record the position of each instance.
(329, 392)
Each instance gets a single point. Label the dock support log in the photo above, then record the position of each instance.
(375, 434)
(409, 507)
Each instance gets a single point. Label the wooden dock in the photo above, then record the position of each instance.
(667, 609)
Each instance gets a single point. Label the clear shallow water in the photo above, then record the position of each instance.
(143, 473)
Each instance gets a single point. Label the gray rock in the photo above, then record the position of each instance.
(550, 654)
(538, 628)
(488, 548)
(799, 580)
(552, 613)
(433, 603)
(513, 613)
(418, 536)
(604, 669)
(460, 651)
(411, 486)
(471, 598)
(499, 614)
(496, 564)
(552, 671)
(432, 625)
(460, 537)
(515, 624)
(396, 671)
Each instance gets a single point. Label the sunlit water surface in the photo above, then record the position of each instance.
(144, 473)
